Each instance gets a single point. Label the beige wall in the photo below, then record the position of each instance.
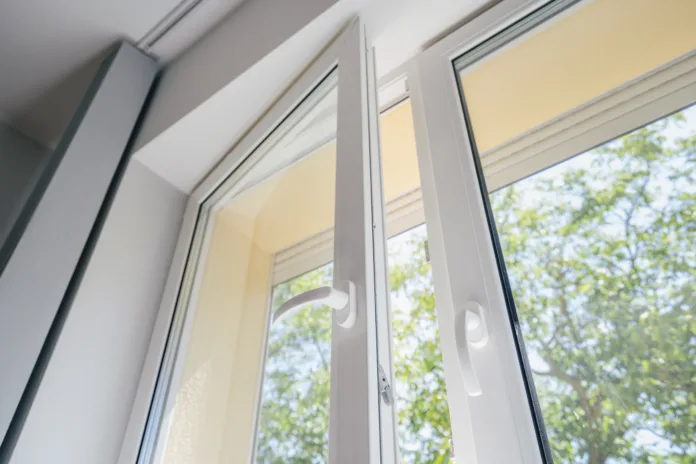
(246, 365)
(221, 368)
(273, 205)
(299, 202)
(302, 202)
(399, 157)
(595, 48)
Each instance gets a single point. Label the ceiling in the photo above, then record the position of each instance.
(50, 49)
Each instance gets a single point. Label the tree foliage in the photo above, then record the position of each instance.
(600, 255)
(295, 399)
(421, 396)
(602, 263)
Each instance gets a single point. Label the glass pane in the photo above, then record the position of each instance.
(420, 393)
(597, 248)
(600, 255)
(280, 197)
(294, 417)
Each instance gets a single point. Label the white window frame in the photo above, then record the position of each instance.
(354, 429)
(499, 425)
(496, 426)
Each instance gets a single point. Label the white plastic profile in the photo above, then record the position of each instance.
(341, 299)
(470, 330)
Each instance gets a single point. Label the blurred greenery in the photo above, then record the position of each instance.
(601, 258)
(602, 263)
(421, 396)
(294, 421)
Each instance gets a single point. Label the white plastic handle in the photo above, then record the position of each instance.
(340, 299)
(470, 330)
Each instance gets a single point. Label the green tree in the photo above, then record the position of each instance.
(421, 396)
(295, 399)
(602, 263)
(601, 258)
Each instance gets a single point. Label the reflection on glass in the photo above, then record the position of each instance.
(602, 263)
(294, 415)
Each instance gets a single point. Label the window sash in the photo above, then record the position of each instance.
(466, 264)
(354, 433)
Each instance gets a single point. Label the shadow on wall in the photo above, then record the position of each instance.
(21, 163)
(29, 135)
(45, 117)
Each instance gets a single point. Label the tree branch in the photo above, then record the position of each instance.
(315, 342)
(574, 383)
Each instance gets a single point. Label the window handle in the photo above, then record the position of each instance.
(470, 330)
(341, 299)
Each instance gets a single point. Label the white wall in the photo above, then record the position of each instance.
(82, 407)
(247, 35)
(38, 272)
(21, 160)
(248, 60)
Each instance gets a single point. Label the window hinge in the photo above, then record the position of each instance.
(426, 247)
(385, 389)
